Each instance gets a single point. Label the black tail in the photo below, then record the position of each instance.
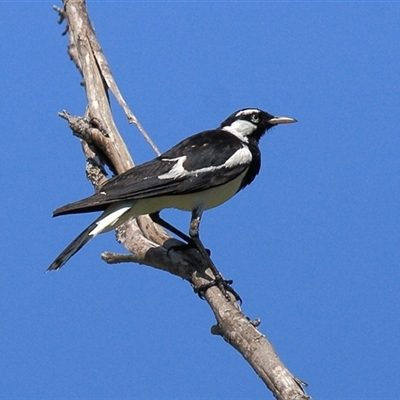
(90, 204)
(72, 248)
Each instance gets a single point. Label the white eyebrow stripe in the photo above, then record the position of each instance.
(241, 156)
(247, 112)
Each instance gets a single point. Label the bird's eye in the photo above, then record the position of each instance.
(255, 118)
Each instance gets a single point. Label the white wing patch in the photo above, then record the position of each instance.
(177, 170)
(241, 156)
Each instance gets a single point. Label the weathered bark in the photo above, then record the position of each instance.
(148, 243)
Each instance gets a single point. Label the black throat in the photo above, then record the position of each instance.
(255, 164)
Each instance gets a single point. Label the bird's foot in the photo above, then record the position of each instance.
(223, 285)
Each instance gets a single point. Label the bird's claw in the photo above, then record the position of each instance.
(223, 285)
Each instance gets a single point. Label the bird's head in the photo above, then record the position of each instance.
(251, 123)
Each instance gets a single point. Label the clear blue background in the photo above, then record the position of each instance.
(313, 245)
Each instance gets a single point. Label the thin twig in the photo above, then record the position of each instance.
(112, 85)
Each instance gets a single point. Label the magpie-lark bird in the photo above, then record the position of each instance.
(199, 173)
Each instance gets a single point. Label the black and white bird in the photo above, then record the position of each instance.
(199, 173)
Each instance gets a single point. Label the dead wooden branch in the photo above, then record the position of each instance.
(149, 244)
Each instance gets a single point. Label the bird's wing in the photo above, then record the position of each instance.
(203, 161)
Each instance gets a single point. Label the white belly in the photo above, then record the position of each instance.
(118, 213)
(207, 199)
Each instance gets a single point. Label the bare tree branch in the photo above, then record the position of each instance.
(109, 79)
(148, 243)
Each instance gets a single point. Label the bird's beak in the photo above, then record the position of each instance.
(282, 120)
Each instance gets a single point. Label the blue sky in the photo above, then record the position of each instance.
(313, 245)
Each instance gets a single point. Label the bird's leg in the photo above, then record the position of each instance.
(194, 241)
(219, 281)
(155, 217)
